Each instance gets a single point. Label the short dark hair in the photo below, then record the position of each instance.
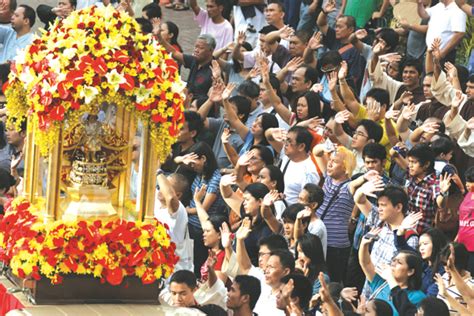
(268, 121)
(390, 37)
(350, 21)
(331, 57)
(273, 242)
(6, 180)
(211, 309)
(396, 195)
(243, 106)
(29, 13)
(278, 3)
(303, 36)
(194, 121)
(424, 154)
(311, 74)
(380, 95)
(434, 306)
(315, 193)
(302, 288)
(374, 151)
(249, 89)
(374, 130)
(469, 175)
(72, 2)
(292, 211)
(442, 145)
(145, 25)
(186, 277)
(383, 308)
(287, 260)
(249, 285)
(203, 149)
(415, 63)
(303, 136)
(471, 78)
(268, 29)
(152, 10)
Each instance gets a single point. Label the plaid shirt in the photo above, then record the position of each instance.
(422, 198)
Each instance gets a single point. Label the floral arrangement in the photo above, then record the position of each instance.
(107, 250)
(95, 56)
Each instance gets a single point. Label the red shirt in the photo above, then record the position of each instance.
(466, 222)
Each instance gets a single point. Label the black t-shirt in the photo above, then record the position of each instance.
(200, 78)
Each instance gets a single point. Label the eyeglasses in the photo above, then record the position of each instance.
(360, 134)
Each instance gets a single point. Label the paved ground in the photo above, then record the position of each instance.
(188, 29)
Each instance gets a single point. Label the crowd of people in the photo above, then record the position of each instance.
(326, 162)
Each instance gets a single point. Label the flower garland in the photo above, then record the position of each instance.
(95, 55)
(107, 250)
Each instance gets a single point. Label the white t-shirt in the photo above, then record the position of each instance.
(296, 175)
(444, 21)
(318, 228)
(222, 32)
(266, 304)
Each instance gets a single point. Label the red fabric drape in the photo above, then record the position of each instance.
(8, 302)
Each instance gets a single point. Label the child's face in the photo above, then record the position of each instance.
(470, 186)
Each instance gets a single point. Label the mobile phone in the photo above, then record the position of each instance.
(372, 236)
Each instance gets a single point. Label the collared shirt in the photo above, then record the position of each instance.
(200, 77)
(444, 22)
(422, 198)
(338, 214)
(11, 44)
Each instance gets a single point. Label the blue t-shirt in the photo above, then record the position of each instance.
(381, 290)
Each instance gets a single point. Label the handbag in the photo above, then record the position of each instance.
(185, 251)
(447, 218)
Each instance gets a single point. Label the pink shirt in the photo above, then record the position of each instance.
(222, 32)
(466, 222)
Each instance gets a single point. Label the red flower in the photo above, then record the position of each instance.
(57, 113)
(114, 276)
(121, 57)
(100, 66)
(129, 83)
(148, 277)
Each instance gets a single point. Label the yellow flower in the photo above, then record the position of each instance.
(115, 79)
(89, 93)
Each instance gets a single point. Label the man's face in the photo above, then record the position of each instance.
(201, 50)
(360, 138)
(291, 146)
(181, 295)
(410, 76)
(297, 46)
(427, 87)
(213, 10)
(274, 271)
(234, 298)
(263, 256)
(184, 134)
(374, 164)
(342, 31)
(14, 138)
(470, 90)
(65, 4)
(386, 209)
(335, 167)
(298, 83)
(18, 19)
(273, 14)
(415, 168)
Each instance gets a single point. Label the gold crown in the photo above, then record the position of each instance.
(89, 173)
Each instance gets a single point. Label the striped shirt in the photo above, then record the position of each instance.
(338, 214)
(454, 292)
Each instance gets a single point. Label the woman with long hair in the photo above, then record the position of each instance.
(249, 205)
(170, 32)
(201, 160)
(272, 177)
(310, 259)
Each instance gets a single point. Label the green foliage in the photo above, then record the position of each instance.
(467, 44)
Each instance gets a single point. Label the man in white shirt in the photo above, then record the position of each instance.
(296, 164)
(212, 22)
(170, 211)
(18, 35)
(446, 21)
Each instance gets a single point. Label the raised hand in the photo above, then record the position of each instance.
(294, 64)
(156, 22)
(279, 134)
(409, 112)
(445, 182)
(215, 93)
(286, 32)
(373, 110)
(190, 158)
(211, 259)
(470, 123)
(244, 229)
(450, 69)
(342, 73)
(372, 175)
(406, 97)
(315, 41)
(361, 34)
(306, 212)
(332, 80)
(441, 286)
(271, 197)
(436, 49)
(200, 193)
(330, 6)
(342, 116)
(253, 73)
(370, 187)
(411, 221)
(228, 180)
(241, 37)
(225, 136)
(390, 57)
(317, 87)
(430, 127)
(216, 69)
(371, 235)
(379, 48)
(313, 123)
(349, 294)
(457, 100)
(228, 90)
(226, 235)
(392, 114)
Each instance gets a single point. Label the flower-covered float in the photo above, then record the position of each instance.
(90, 89)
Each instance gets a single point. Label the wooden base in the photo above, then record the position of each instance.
(85, 289)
